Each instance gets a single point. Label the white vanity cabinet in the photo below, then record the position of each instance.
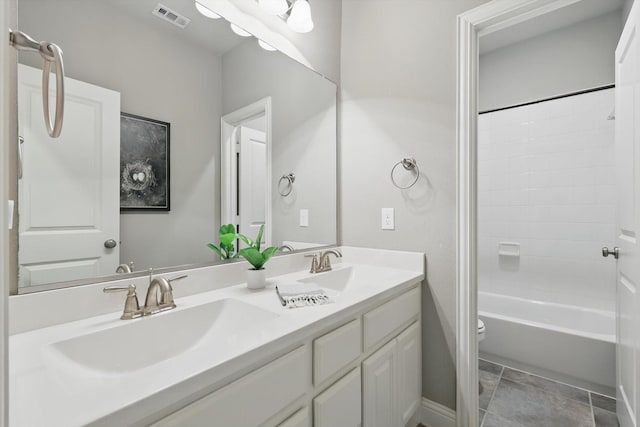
(391, 381)
(364, 370)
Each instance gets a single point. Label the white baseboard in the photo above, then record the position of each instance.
(437, 415)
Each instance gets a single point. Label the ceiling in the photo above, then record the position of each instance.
(211, 34)
(568, 15)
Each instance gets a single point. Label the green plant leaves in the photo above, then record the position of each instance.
(259, 238)
(226, 235)
(268, 253)
(215, 249)
(254, 257)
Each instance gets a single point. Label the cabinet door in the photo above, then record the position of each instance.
(378, 387)
(409, 379)
(340, 404)
(299, 419)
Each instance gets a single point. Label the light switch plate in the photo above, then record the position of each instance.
(388, 219)
(304, 217)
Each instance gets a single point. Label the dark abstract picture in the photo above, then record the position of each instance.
(144, 163)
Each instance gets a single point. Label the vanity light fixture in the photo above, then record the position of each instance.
(300, 17)
(266, 46)
(206, 11)
(239, 31)
(274, 7)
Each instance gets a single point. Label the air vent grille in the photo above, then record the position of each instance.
(163, 12)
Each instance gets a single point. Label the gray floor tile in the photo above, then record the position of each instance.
(493, 420)
(547, 385)
(603, 402)
(532, 406)
(481, 414)
(605, 418)
(489, 382)
(490, 367)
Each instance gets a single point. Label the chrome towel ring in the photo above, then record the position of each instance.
(290, 179)
(409, 164)
(50, 53)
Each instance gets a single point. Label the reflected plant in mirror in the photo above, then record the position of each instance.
(225, 164)
(226, 236)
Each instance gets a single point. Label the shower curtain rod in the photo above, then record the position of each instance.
(566, 95)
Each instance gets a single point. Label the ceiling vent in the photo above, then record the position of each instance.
(169, 15)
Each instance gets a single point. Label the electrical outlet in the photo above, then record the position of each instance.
(304, 217)
(388, 219)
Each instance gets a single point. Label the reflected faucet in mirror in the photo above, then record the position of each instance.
(286, 248)
(125, 268)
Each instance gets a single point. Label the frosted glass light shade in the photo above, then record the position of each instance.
(239, 31)
(274, 7)
(266, 46)
(300, 19)
(207, 12)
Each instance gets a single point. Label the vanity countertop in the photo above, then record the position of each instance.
(47, 388)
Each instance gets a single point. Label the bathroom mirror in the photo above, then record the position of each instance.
(175, 123)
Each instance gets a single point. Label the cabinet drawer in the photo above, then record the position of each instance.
(335, 350)
(302, 418)
(252, 399)
(340, 404)
(380, 322)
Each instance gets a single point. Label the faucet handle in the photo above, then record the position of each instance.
(131, 304)
(314, 262)
(184, 276)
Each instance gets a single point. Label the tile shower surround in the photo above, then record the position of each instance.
(547, 181)
(512, 398)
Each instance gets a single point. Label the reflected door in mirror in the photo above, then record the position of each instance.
(252, 181)
(68, 194)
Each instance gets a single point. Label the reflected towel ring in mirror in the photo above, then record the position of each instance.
(50, 53)
(410, 164)
(290, 179)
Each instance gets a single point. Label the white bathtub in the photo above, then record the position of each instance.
(570, 344)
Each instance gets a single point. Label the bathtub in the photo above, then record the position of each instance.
(566, 343)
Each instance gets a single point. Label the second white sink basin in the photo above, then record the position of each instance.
(137, 344)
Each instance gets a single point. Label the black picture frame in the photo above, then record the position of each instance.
(145, 179)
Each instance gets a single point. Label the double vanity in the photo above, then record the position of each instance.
(227, 355)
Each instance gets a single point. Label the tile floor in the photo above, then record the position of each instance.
(513, 398)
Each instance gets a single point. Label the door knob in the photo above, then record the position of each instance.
(110, 244)
(615, 252)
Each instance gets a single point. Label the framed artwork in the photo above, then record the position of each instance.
(144, 164)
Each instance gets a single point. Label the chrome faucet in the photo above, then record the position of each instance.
(125, 268)
(321, 262)
(286, 248)
(152, 303)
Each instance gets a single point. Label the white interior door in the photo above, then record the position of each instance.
(252, 181)
(69, 202)
(628, 221)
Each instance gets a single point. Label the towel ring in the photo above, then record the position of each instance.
(410, 164)
(290, 178)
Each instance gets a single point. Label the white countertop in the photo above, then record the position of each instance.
(46, 389)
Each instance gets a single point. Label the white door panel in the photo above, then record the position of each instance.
(253, 181)
(628, 185)
(69, 191)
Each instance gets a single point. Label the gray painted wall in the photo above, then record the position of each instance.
(180, 72)
(398, 99)
(626, 8)
(303, 133)
(570, 59)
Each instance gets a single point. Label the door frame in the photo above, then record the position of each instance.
(471, 25)
(228, 124)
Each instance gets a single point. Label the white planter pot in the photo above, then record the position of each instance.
(256, 279)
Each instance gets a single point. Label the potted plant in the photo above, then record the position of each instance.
(256, 275)
(226, 235)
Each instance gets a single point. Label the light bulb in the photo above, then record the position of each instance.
(300, 19)
(206, 11)
(274, 7)
(239, 31)
(266, 46)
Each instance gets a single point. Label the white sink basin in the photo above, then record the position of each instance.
(137, 344)
(336, 280)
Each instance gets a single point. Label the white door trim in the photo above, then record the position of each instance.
(7, 63)
(485, 19)
(228, 123)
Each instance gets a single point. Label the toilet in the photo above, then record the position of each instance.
(481, 330)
